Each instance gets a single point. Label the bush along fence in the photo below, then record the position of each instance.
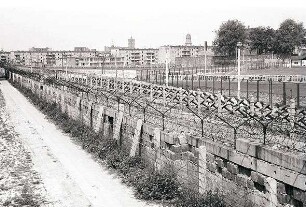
(248, 174)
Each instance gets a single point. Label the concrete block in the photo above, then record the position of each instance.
(226, 174)
(242, 180)
(283, 198)
(233, 168)
(189, 156)
(254, 176)
(219, 162)
(210, 158)
(293, 161)
(250, 184)
(299, 195)
(193, 141)
(136, 138)
(212, 167)
(247, 147)
(176, 148)
(167, 137)
(258, 178)
(202, 169)
(271, 187)
(281, 188)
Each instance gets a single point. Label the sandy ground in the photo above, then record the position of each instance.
(70, 175)
(20, 184)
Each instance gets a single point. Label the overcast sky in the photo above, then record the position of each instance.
(64, 24)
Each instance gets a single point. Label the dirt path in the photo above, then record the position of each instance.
(70, 176)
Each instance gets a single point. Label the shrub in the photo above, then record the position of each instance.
(158, 186)
(190, 198)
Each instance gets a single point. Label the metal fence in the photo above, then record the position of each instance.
(201, 114)
(267, 90)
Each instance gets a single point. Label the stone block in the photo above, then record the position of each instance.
(225, 173)
(250, 184)
(193, 141)
(147, 128)
(176, 148)
(281, 188)
(258, 178)
(189, 156)
(233, 168)
(210, 158)
(247, 147)
(242, 180)
(283, 198)
(166, 137)
(299, 195)
(219, 162)
(261, 179)
(254, 176)
(212, 167)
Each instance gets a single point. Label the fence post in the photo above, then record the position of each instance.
(229, 86)
(107, 84)
(284, 93)
(292, 112)
(122, 86)
(199, 100)
(181, 97)
(257, 90)
(131, 87)
(140, 88)
(219, 102)
(247, 88)
(164, 95)
(252, 106)
(151, 92)
(115, 84)
(298, 95)
(221, 84)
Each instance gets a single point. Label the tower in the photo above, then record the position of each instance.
(131, 43)
(188, 40)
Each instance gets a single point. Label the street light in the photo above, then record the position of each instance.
(167, 62)
(239, 45)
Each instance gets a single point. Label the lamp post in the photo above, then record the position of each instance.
(167, 62)
(239, 45)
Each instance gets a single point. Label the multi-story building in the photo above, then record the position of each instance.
(136, 57)
(131, 56)
(4, 56)
(172, 52)
(45, 57)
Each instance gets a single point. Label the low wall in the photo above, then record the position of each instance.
(251, 175)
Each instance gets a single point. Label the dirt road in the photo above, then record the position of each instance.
(70, 176)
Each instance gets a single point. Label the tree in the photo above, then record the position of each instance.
(262, 39)
(289, 35)
(228, 35)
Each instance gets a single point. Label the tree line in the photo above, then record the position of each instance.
(262, 40)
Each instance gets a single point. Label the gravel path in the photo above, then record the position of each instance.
(70, 175)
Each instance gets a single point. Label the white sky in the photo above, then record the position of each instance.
(64, 24)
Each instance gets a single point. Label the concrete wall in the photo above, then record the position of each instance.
(251, 175)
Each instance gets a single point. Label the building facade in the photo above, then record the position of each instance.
(171, 53)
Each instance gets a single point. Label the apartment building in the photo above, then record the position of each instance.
(172, 52)
(4, 56)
